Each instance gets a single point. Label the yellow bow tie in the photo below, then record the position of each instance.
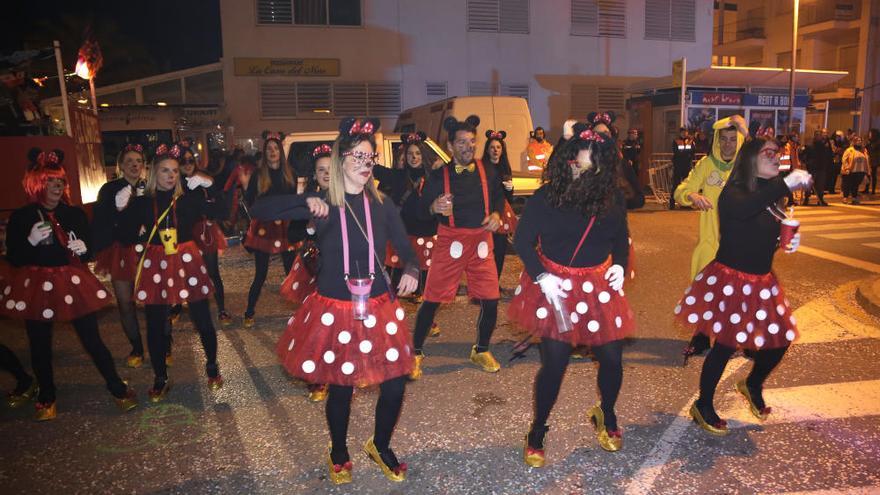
(461, 168)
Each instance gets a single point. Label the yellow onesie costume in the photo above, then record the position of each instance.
(708, 178)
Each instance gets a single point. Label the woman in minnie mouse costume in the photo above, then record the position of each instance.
(736, 299)
(50, 282)
(273, 176)
(117, 256)
(351, 332)
(572, 239)
(171, 270)
(495, 153)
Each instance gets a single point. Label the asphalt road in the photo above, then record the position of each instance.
(461, 430)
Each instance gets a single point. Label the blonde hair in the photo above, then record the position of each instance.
(336, 191)
(153, 178)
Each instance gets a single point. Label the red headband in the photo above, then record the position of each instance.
(49, 158)
(589, 135)
(496, 135)
(274, 135)
(365, 128)
(602, 117)
(133, 147)
(322, 150)
(163, 150)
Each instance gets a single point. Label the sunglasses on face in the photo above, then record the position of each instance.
(770, 153)
(361, 158)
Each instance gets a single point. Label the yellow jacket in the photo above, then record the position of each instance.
(708, 178)
(539, 153)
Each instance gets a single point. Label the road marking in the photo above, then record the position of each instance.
(872, 244)
(823, 402)
(850, 235)
(849, 490)
(801, 212)
(845, 260)
(838, 226)
(831, 218)
(871, 207)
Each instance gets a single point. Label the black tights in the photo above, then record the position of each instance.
(713, 367)
(261, 270)
(157, 340)
(485, 323)
(123, 290)
(212, 263)
(338, 411)
(500, 250)
(554, 361)
(9, 362)
(40, 335)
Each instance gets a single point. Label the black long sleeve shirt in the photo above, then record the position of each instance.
(749, 233)
(278, 186)
(387, 225)
(105, 217)
(559, 232)
(19, 250)
(138, 218)
(405, 186)
(468, 206)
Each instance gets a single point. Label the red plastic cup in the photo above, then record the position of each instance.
(787, 231)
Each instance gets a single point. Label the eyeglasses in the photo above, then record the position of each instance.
(362, 158)
(770, 153)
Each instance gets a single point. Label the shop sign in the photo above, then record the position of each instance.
(287, 67)
(734, 99)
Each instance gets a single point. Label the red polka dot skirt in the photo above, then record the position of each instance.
(57, 293)
(173, 278)
(423, 246)
(208, 236)
(738, 309)
(508, 220)
(324, 344)
(598, 314)
(118, 261)
(268, 237)
(299, 283)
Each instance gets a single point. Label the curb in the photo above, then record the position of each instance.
(868, 295)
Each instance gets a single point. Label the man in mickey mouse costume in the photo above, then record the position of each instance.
(467, 198)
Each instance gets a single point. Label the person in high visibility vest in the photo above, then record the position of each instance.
(539, 150)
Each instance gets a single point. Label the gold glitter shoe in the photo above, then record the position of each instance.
(45, 411)
(416, 372)
(743, 389)
(340, 474)
(317, 393)
(128, 402)
(215, 383)
(248, 321)
(717, 429)
(397, 474)
(158, 395)
(134, 361)
(611, 441)
(14, 400)
(485, 360)
(435, 330)
(533, 457)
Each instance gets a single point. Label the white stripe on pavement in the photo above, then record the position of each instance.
(872, 244)
(846, 260)
(838, 226)
(823, 402)
(850, 235)
(873, 208)
(814, 212)
(830, 218)
(850, 490)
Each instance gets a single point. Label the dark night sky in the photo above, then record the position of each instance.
(138, 37)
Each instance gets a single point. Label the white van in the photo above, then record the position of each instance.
(508, 113)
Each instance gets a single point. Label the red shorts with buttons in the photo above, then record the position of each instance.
(460, 251)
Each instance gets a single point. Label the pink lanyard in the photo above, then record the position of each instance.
(345, 261)
(578, 248)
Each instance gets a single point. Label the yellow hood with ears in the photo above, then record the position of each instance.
(742, 131)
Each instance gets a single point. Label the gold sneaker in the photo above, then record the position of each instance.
(435, 330)
(485, 360)
(318, 393)
(416, 372)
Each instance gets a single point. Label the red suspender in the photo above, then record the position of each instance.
(446, 190)
(483, 183)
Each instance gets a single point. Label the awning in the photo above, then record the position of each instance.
(743, 77)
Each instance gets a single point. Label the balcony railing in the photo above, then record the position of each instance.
(835, 10)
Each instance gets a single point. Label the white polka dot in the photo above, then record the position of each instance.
(581, 307)
(157, 278)
(399, 314)
(722, 306)
(773, 328)
(205, 289)
(761, 315)
(102, 294)
(728, 290)
(426, 253)
(391, 328)
(295, 285)
(347, 368)
(707, 315)
(574, 318)
(365, 346)
(290, 320)
(48, 313)
(344, 337)
(517, 290)
(139, 248)
(711, 280)
(745, 307)
(47, 286)
(306, 319)
(296, 266)
(181, 273)
(765, 294)
(716, 327)
(183, 293)
(170, 282)
(392, 354)
(741, 337)
(693, 318)
(593, 326)
(7, 290)
(792, 320)
(618, 321)
(147, 263)
(395, 259)
(329, 357)
(708, 297)
(68, 299)
(455, 249)
(541, 313)
(27, 282)
(370, 322)
(203, 269)
(327, 319)
(20, 305)
(678, 309)
(193, 281)
(278, 222)
(735, 318)
(429, 245)
(290, 346)
(750, 326)
(427, 262)
(75, 279)
(621, 292)
(308, 366)
(690, 300)
(142, 295)
(699, 277)
(759, 341)
(261, 232)
(277, 244)
(587, 287)
(420, 241)
(163, 264)
(790, 335)
(10, 304)
(483, 249)
(604, 297)
(566, 284)
(164, 293)
(775, 290)
(780, 309)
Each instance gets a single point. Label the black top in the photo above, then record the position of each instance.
(19, 251)
(105, 218)
(559, 232)
(138, 218)
(683, 152)
(405, 186)
(749, 233)
(502, 176)
(630, 187)
(631, 149)
(386, 226)
(467, 195)
(278, 185)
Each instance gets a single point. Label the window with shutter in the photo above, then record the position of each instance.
(657, 19)
(482, 88)
(483, 15)
(310, 12)
(313, 97)
(683, 18)
(277, 100)
(514, 16)
(350, 99)
(670, 20)
(584, 18)
(274, 12)
(584, 99)
(435, 90)
(383, 98)
(521, 90)
(498, 16)
(612, 18)
(610, 98)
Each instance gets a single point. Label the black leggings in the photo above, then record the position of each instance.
(9, 362)
(261, 269)
(212, 263)
(713, 367)
(554, 361)
(338, 411)
(157, 340)
(123, 290)
(40, 335)
(500, 250)
(485, 323)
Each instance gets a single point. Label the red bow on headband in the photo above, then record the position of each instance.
(49, 158)
(589, 135)
(133, 147)
(164, 150)
(274, 135)
(321, 150)
(361, 128)
(413, 138)
(602, 117)
(496, 135)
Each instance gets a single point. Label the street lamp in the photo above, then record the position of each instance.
(794, 35)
